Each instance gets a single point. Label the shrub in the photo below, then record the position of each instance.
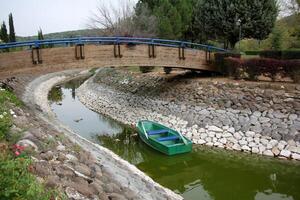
(146, 69)
(262, 66)
(275, 54)
(291, 68)
(284, 55)
(220, 60)
(167, 70)
(252, 53)
(234, 67)
(5, 124)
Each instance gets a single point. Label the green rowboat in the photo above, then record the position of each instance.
(162, 138)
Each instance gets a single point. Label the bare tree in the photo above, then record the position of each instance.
(113, 19)
(124, 19)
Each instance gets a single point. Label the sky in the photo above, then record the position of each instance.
(49, 15)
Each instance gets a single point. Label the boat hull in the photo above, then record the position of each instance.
(167, 148)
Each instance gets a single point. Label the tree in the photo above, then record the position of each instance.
(144, 21)
(218, 19)
(277, 38)
(3, 34)
(12, 34)
(170, 23)
(40, 34)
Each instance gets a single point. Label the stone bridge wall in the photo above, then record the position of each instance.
(103, 55)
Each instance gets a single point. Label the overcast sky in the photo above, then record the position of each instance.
(50, 15)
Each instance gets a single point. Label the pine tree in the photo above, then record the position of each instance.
(218, 19)
(40, 35)
(3, 34)
(12, 34)
(170, 24)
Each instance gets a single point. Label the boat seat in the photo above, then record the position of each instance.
(156, 132)
(169, 138)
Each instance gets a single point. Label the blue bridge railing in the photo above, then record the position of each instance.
(111, 40)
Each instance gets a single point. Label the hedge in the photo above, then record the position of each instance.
(252, 53)
(282, 55)
(220, 60)
(252, 68)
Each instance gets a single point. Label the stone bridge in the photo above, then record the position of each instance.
(90, 52)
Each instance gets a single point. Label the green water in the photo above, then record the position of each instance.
(204, 173)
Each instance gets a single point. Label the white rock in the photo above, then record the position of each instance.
(246, 148)
(214, 139)
(243, 142)
(256, 140)
(223, 140)
(273, 143)
(269, 146)
(275, 151)
(237, 136)
(208, 139)
(218, 135)
(293, 117)
(296, 156)
(294, 149)
(210, 144)
(285, 153)
(201, 141)
(214, 129)
(291, 143)
(252, 144)
(250, 134)
(71, 157)
(227, 135)
(60, 148)
(236, 147)
(217, 144)
(280, 146)
(249, 139)
(203, 136)
(268, 153)
(261, 148)
(264, 141)
(255, 150)
(231, 130)
(201, 130)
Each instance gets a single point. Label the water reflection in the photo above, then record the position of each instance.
(202, 174)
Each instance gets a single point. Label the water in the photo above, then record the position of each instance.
(202, 174)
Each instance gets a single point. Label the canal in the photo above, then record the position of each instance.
(204, 174)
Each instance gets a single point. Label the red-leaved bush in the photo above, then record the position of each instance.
(267, 67)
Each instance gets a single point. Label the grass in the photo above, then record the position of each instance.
(16, 180)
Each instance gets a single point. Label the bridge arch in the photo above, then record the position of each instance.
(107, 51)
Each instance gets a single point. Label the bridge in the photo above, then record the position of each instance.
(106, 51)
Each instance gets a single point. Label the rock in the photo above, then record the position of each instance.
(279, 115)
(264, 120)
(47, 156)
(236, 147)
(60, 148)
(261, 149)
(264, 141)
(82, 168)
(71, 157)
(237, 136)
(276, 136)
(200, 141)
(42, 169)
(231, 130)
(74, 195)
(294, 149)
(203, 135)
(227, 135)
(293, 117)
(214, 129)
(250, 134)
(275, 151)
(255, 150)
(246, 148)
(52, 181)
(243, 142)
(291, 143)
(223, 140)
(257, 114)
(285, 153)
(82, 186)
(27, 144)
(61, 157)
(268, 153)
(296, 156)
(115, 196)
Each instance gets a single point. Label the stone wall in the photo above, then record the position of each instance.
(103, 55)
(253, 122)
